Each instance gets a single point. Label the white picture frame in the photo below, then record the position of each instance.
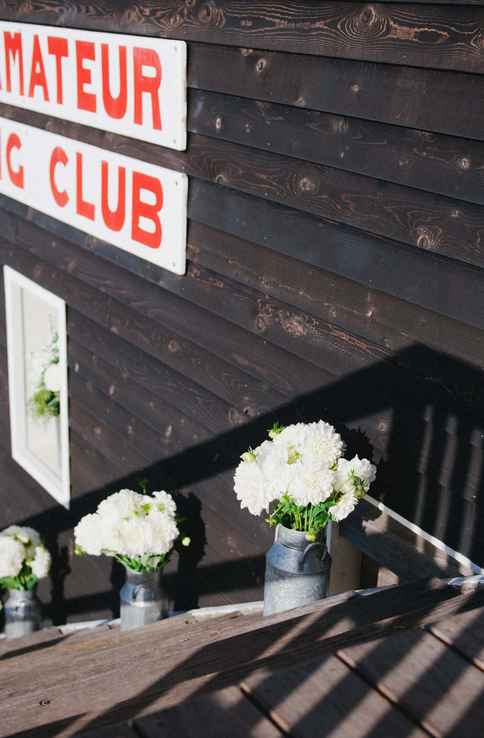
(40, 446)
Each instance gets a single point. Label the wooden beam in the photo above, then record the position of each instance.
(426, 35)
(114, 676)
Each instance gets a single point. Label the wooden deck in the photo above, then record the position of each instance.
(422, 682)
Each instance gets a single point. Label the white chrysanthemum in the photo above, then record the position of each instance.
(119, 505)
(164, 532)
(130, 524)
(344, 507)
(276, 472)
(12, 554)
(250, 486)
(317, 442)
(165, 502)
(88, 534)
(311, 485)
(53, 377)
(347, 470)
(27, 536)
(41, 563)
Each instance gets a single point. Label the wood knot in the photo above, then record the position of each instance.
(235, 416)
(209, 14)
(260, 66)
(307, 185)
(464, 163)
(173, 346)
(355, 88)
(261, 323)
(218, 123)
(368, 15)
(427, 239)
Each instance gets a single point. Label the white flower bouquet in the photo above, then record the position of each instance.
(23, 558)
(45, 400)
(299, 476)
(138, 530)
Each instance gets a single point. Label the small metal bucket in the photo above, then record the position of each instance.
(297, 571)
(22, 613)
(142, 600)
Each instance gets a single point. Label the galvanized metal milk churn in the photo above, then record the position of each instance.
(22, 613)
(142, 600)
(297, 570)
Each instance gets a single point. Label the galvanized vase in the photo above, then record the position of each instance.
(142, 600)
(297, 571)
(22, 613)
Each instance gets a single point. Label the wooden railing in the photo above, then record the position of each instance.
(110, 676)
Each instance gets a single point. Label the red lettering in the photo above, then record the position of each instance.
(149, 85)
(13, 50)
(85, 100)
(144, 210)
(114, 219)
(58, 48)
(83, 207)
(59, 156)
(16, 175)
(115, 107)
(37, 71)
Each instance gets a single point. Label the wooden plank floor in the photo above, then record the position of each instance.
(411, 685)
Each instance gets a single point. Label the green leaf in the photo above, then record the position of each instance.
(275, 430)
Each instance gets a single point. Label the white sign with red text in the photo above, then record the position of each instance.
(137, 206)
(131, 85)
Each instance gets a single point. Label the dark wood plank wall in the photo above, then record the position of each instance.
(336, 232)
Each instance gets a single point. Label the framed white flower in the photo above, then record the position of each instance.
(37, 378)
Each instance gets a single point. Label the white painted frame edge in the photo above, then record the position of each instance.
(14, 281)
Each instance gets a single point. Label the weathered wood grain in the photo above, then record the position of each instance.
(352, 354)
(424, 35)
(327, 698)
(210, 655)
(406, 96)
(429, 222)
(416, 158)
(115, 731)
(151, 340)
(215, 712)
(465, 634)
(430, 681)
(369, 313)
(270, 318)
(434, 283)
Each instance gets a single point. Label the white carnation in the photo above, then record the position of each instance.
(344, 507)
(12, 555)
(41, 562)
(53, 377)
